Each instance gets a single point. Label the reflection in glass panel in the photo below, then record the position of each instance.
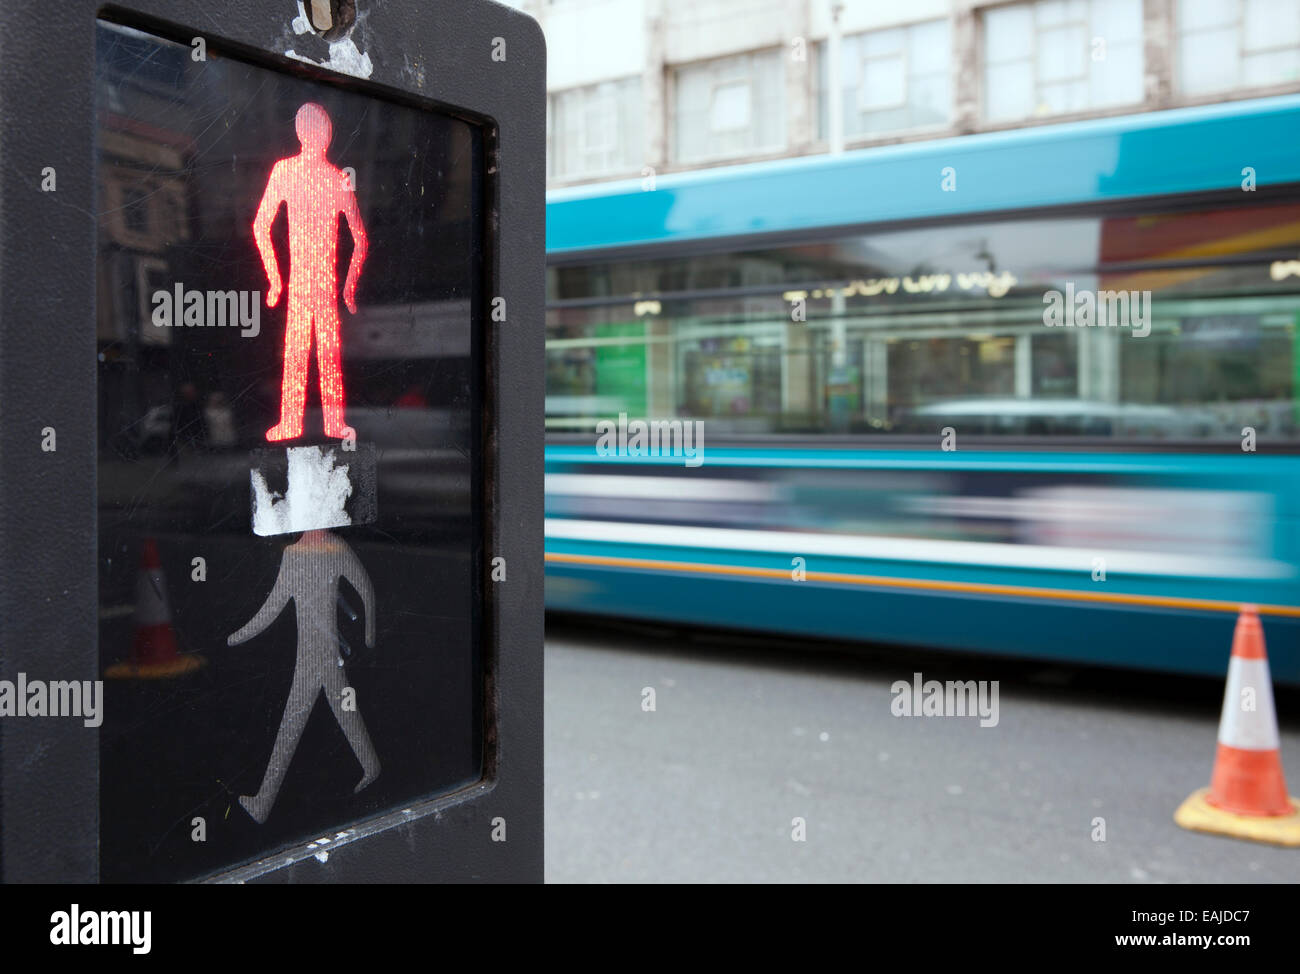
(191, 352)
(908, 331)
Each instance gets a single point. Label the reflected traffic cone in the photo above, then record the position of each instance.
(1247, 795)
(153, 648)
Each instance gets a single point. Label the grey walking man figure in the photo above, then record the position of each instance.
(309, 575)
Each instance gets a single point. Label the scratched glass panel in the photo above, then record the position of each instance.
(289, 473)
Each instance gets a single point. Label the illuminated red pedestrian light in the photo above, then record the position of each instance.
(316, 192)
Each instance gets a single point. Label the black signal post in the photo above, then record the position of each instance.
(271, 388)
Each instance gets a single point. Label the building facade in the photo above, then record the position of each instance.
(653, 86)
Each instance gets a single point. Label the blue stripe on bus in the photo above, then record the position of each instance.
(1249, 466)
(1161, 639)
(1154, 154)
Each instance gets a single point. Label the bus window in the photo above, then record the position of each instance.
(895, 330)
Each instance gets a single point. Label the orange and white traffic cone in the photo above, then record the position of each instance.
(153, 648)
(1247, 795)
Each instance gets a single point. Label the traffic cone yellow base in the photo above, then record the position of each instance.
(154, 671)
(1200, 816)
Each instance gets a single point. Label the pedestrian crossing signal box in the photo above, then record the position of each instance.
(271, 388)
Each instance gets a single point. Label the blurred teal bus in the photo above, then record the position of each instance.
(906, 433)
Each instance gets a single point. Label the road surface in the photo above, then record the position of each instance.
(746, 738)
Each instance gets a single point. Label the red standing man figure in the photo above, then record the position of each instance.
(316, 192)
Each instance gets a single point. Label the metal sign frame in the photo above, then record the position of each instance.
(435, 55)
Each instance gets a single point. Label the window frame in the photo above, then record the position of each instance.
(821, 94)
(1238, 85)
(720, 76)
(584, 96)
(1034, 115)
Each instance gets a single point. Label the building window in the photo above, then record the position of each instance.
(595, 131)
(1226, 44)
(892, 80)
(730, 107)
(1060, 56)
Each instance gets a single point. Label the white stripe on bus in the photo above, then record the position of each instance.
(878, 548)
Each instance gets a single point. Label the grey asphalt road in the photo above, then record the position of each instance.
(745, 738)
